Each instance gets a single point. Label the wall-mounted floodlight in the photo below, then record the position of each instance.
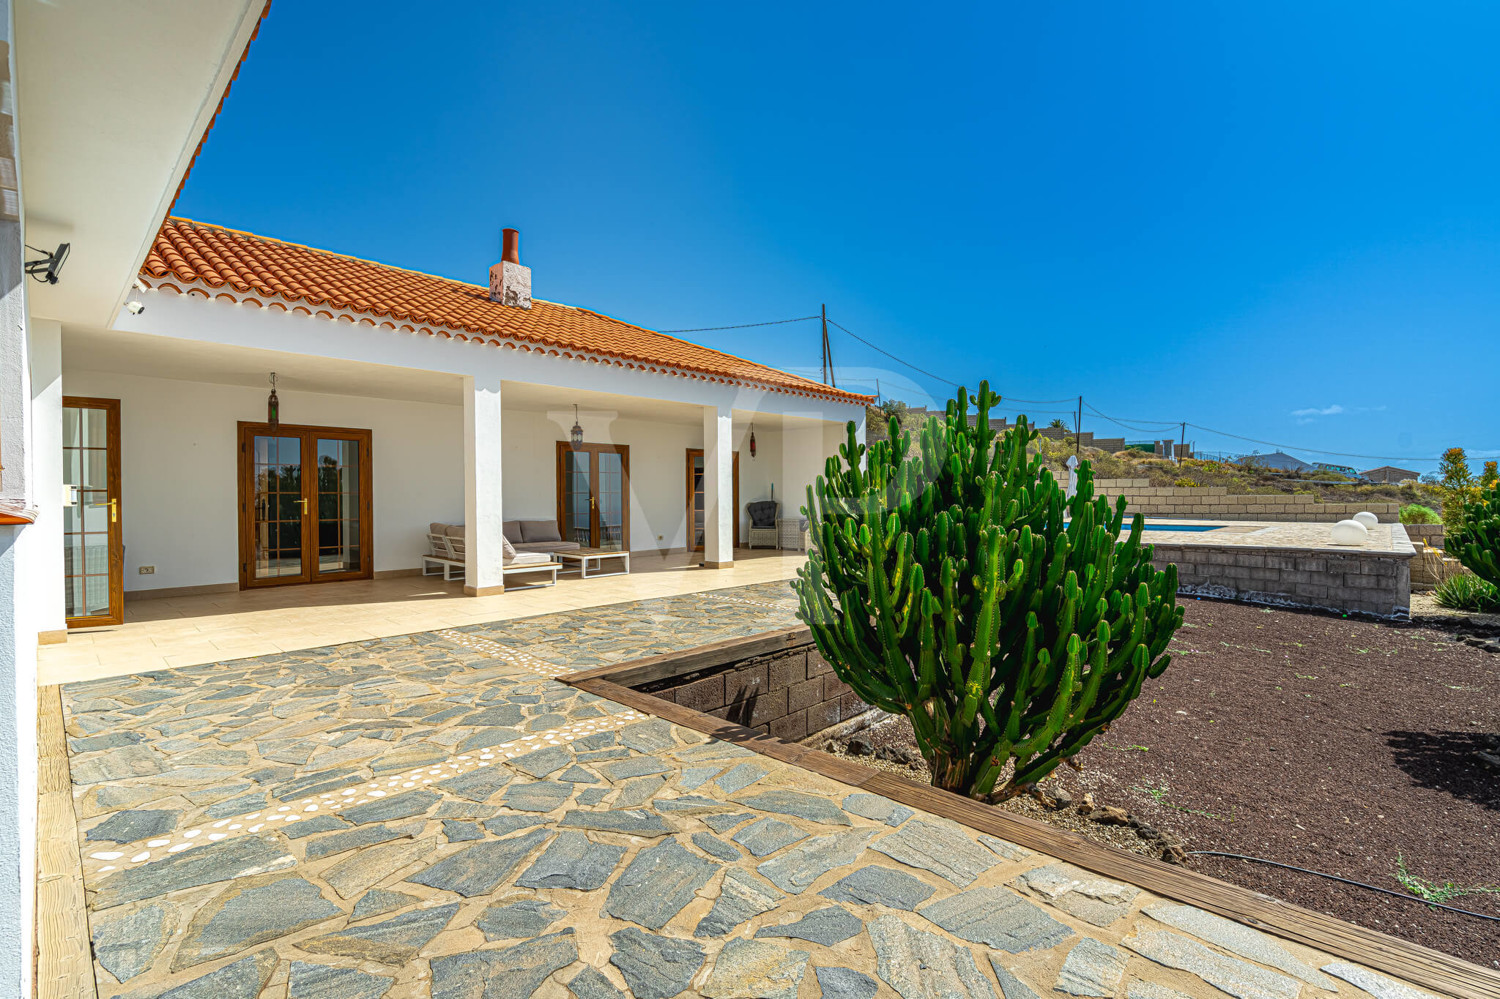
(48, 267)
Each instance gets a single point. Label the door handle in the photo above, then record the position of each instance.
(114, 511)
(303, 501)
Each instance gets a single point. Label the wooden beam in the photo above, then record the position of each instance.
(64, 956)
(1412, 962)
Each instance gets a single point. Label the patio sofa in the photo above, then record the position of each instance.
(538, 541)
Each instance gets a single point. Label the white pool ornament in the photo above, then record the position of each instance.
(1350, 532)
(1368, 519)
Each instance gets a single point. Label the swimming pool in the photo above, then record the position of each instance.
(1180, 528)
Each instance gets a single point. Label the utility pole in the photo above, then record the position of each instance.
(1078, 431)
(877, 391)
(1184, 441)
(828, 376)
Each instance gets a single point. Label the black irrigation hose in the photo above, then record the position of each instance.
(1335, 877)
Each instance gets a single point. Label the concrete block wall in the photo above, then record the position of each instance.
(1363, 583)
(1430, 535)
(1215, 503)
(789, 695)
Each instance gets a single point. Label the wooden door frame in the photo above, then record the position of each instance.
(623, 450)
(116, 613)
(245, 464)
(698, 452)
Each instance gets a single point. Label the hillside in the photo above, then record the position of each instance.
(1237, 479)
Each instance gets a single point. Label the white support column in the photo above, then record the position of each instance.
(45, 337)
(718, 487)
(483, 520)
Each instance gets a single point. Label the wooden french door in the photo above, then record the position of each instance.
(593, 495)
(304, 505)
(93, 533)
(695, 503)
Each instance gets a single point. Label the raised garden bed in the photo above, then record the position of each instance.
(1349, 747)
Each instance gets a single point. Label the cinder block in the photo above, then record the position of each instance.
(742, 684)
(788, 669)
(767, 707)
(822, 715)
(850, 705)
(790, 728)
(703, 695)
(816, 664)
(800, 696)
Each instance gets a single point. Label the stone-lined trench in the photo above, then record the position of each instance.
(434, 815)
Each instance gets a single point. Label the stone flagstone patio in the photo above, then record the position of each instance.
(436, 815)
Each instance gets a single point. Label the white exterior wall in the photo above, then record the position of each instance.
(178, 472)
(179, 485)
(21, 612)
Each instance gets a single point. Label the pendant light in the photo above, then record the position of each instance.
(273, 406)
(752, 441)
(577, 431)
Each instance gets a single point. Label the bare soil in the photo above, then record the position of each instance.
(1343, 746)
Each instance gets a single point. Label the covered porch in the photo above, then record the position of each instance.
(211, 525)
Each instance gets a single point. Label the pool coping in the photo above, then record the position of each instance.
(1411, 962)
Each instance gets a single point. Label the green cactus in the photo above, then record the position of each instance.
(1476, 540)
(956, 585)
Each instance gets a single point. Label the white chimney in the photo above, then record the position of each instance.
(510, 283)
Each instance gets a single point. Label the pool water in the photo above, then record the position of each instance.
(1182, 528)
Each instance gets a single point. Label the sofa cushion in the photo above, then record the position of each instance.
(512, 531)
(529, 558)
(455, 530)
(539, 530)
(508, 550)
(438, 529)
(548, 546)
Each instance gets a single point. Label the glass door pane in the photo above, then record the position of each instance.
(338, 503)
(577, 497)
(278, 508)
(91, 529)
(697, 513)
(610, 497)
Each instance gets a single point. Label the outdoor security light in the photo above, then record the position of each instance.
(48, 267)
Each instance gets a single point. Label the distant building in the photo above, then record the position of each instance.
(1278, 460)
(1391, 474)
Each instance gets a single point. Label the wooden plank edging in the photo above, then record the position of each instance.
(1412, 962)
(63, 955)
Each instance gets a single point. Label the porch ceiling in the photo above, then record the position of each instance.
(113, 99)
(120, 352)
(220, 364)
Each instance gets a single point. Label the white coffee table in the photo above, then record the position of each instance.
(593, 558)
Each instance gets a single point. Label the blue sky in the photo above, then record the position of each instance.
(1280, 220)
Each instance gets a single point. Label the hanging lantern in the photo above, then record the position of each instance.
(273, 405)
(577, 431)
(752, 440)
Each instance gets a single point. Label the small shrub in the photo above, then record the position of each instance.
(952, 582)
(1416, 513)
(1468, 593)
(1185, 483)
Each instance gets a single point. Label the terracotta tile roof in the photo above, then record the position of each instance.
(268, 272)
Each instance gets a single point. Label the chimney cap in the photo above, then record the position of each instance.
(510, 245)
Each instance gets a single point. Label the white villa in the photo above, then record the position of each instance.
(143, 455)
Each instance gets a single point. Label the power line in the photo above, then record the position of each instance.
(893, 357)
(1150, 429)
(744, 326)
